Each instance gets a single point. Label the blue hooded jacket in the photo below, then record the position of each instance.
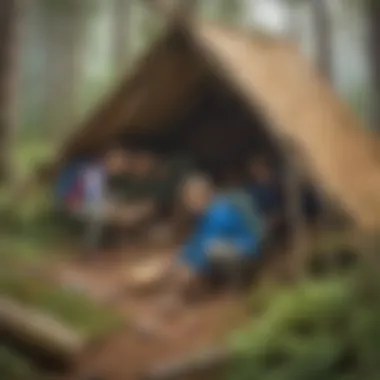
(232, 219)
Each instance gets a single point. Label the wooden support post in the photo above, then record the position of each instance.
(368, 244)
(294, 214)
(324, 232)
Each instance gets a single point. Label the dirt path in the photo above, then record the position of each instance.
(130, 352)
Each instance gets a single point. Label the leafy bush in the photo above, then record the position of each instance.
(13, 367)
(28, 227)
(322, 330)
(70, 307)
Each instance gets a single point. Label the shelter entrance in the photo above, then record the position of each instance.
(218, 135)
(215, 131)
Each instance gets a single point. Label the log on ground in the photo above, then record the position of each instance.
(39, 335)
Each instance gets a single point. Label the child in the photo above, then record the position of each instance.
(84, 194)
(266, 192)
(228, 236)
(68, 190)
(264, 186)
(99, 204)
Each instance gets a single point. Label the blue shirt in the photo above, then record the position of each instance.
(230, 219)
(68, 179)
(90, 176)
(94, 179)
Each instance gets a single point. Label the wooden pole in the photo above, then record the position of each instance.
(323, 33)
(40, 331)
(295, 216)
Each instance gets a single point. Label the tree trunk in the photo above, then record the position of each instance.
(323, 35)
(65, 39)
(374, 51)
(121, 36)
(46, 335)
(75, 29)
(9, 46)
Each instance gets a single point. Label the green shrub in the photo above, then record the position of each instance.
(321, 330)
(72, 308)
(29, 229)
(14, 367)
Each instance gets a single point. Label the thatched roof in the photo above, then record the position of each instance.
(270, 74)
(145, 99)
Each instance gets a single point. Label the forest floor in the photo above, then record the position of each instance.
(143, 344)
(148, 339)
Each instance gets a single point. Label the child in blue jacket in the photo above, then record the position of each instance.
(228, 235)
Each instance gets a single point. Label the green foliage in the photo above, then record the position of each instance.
(68, 306)
(27, 212)
(29, 234)
(33, 153)
(326, 329)
(27, 223)
(13, 367)
(28, 229)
